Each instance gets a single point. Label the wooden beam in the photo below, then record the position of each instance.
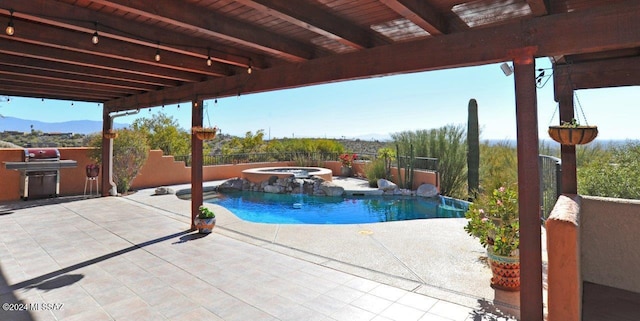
(41, 13)
(41, 35)
(610, 27)
(114, 77)
(107, 151)
(55, 81)
(89, 61)
(421, 13)
(538, 7)
(188, 16)
(8, 87)
(316, 19)
(531, 305)
(563, 92)
(602, 73)
(61, 76)
(196, 160)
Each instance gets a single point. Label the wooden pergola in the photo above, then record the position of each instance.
(152, 53)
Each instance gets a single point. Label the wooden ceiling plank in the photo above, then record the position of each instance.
(7, 88)
(69, 69)
(54, 96)
(39, 34)
(316, 19)
(34, 82)
(41, 13)
(82, 79)
(91, 61)
(610, 27)
(180, 14)
(421, 13)
(36, 79)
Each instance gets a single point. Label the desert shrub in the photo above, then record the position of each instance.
(613, 174)
(130, 151)
(375, 170)
(448, 145)
(163, 132)
(498, 165)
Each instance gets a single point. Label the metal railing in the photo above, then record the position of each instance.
(550, 180)
(304, 158)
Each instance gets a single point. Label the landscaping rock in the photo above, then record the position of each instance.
(231, 185)
(331, 189)
(273, 189)
(427, 190)
(386, 185)
(163, 190)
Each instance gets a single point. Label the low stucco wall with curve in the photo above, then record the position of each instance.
(590, 239)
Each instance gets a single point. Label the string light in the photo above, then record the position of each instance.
(209, 62)
(95, 38)
(157, 57)
(250, 69)
(10, 28)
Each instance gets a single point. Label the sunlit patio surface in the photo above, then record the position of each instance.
(133, 258)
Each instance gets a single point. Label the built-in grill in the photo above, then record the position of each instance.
(40, 172)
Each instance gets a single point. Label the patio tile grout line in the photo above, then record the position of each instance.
(170, 263)
(420, 281)
(375, 240)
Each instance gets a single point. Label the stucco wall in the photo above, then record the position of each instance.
(610, 242)
(158, 170)
(564, 291)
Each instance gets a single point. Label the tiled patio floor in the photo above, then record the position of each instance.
(114, 259)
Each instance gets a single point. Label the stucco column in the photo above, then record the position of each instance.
(196, 161)
(531, 308)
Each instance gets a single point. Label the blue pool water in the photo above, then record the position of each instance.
(306, 209)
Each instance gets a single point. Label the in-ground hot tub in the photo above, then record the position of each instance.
(258, 175)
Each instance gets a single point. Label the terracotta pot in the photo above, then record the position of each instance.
(573, 135)
(506, 272)
(346, 171)
(205, 225)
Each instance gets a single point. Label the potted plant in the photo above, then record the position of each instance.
(494, 221)
(572, 133)
(204, 133)
(347, 162)
(92, 170)
(205, 221)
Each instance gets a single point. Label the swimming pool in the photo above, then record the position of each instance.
(307, 209)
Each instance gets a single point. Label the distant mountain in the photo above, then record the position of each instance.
(76, 126)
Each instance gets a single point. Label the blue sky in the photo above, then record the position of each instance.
(381, 106)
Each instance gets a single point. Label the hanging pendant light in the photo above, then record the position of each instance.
(10, 28)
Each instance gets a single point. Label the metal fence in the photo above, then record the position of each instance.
(550, 180)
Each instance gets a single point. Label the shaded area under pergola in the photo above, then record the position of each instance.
(150, 54)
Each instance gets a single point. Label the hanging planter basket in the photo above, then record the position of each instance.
(204, 133)
(578, 135)
(111, 134)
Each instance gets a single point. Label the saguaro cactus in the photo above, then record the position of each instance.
(473, 150)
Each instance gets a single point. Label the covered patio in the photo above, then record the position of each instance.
(129, 55)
